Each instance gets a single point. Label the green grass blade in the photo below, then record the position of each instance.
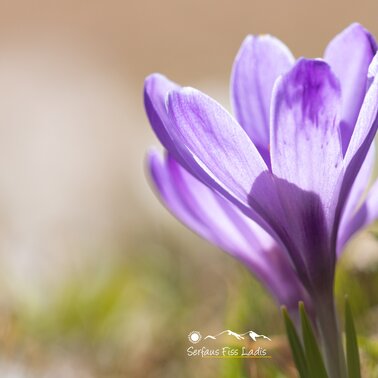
(314, 358)
(295, 344)
(353, 358)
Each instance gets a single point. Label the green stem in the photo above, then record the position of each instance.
(330, 336)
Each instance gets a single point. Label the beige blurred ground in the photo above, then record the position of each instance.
(73, 133)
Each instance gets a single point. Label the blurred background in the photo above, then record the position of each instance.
(96, 278)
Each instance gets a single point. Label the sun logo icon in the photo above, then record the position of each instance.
(194, 337)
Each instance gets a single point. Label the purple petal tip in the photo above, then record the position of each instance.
(310, 80)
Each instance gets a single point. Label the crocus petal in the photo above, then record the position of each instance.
(369, 211)
(213, 144)
(168, 193)
(361, 140)
(260, 61)
(305, 142)
(156, 89)
(365, 128)
(366, 214)
(192, 201)
(350, 54)
(348, 221)
(219, 221)
(297, 200)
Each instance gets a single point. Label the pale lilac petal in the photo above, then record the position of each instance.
(366, 126)
(260, 61)
(370, 206)
(156, 89)
(168, 193)
(366, 214)
(360, 184)
(362, 138)
(305, 142)
(220, 222)
(350, 54)
(205, 139)
(297, 201)
(177, 186)
(213, 144)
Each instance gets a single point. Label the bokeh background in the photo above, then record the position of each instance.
(96, 278)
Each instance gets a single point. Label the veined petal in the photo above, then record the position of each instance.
(366, 214)
(305, 142)
(216, 150)
(156, 89)
(348, 221)
(349, 55)
(297, 218)
(297, 199)
(205, 139)
(366, 126)
(200, 203)
(165, 187)
(259, 62)
(371, 205)
(213, 144)
(361, 140)
(220, 222)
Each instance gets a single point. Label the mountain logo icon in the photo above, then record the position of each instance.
(252, 334)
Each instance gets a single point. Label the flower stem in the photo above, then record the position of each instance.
(330, 336)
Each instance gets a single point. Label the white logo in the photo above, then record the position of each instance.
(194, 337)
(234, 351)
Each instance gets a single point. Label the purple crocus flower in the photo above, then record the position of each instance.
(278, 187)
